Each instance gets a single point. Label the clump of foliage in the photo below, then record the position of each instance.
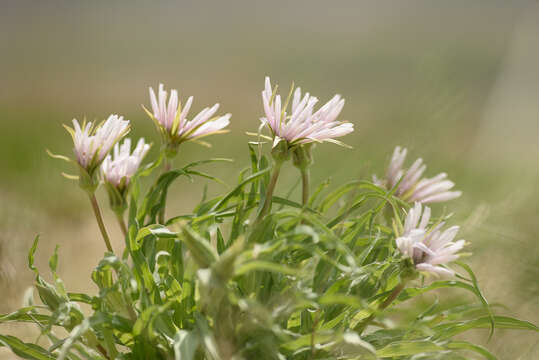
(251, 275)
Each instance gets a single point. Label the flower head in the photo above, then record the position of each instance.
(93, 144)
(171, 118)
(302, 125)
(118, 169)
(412, 186)
(428, 248)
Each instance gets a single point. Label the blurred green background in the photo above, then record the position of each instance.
(457, 82)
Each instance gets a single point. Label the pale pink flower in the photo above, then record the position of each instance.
(412, 186)
(93, 144)
(172, 117)
(119, 168)
(302, 125)
(429, 248)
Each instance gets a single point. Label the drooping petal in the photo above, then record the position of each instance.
(444, 196)
(435, 270)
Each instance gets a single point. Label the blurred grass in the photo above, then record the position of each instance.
(429, 75)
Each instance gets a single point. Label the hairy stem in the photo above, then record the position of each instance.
(121, 222)
(100, 222)
(305, 179)
(392, 296)
(269, 192)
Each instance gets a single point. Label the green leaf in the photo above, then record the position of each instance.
(448, 330)
(206, 161)
(49, 295)
(31, 255)
(207, 176)
(480, 295)
(26, 314)
(157, 230)
(411, 292)
(156, 196)
(335, 195)
(53, 261)
(221, 247)
(79, 297)
(305, 341)
(199, 247)
(238, 188)
(146, 320)
(261, 265)
(340, 299)
(283, 201)
(148, 169)
(25, 350)
(403, 348)
(464, 345)
(317, 191)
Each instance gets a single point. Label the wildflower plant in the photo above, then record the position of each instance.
(334, 276)
(91, 145)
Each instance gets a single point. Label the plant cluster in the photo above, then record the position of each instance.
(250, 275)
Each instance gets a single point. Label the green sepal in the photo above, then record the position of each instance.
(280, 151)
(88, 181)
(117, 196)
(302, 156)
(408, 270)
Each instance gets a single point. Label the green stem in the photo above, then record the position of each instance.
(305, 177)
(166, 167)
(121, 222)
(167, 164)
(269, 192)
(392, 296)
(100, 222)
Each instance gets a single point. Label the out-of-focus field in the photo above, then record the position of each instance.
(456, 82)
